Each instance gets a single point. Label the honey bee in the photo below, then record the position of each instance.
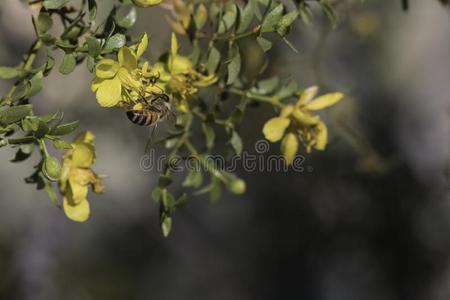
(150, 110)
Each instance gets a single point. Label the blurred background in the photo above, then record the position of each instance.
(369, 219)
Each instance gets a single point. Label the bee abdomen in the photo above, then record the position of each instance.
(141, 117)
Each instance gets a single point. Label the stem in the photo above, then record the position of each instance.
(27, 64)
(43, 148)
(32, 55)
(268, 99)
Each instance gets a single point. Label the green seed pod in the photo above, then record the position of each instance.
(237, 186)
(51, 168)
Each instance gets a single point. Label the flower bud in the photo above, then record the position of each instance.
(237, 186)
(51, 168)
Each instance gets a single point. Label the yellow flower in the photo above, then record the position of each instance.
(178, 76)
(119, 81)
(77, 175)
(146, 3)
(301, 124)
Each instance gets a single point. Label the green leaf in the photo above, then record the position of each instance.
(90, 64)
(94, 47)
(92, 4)
(213, 60)
(196, 53)
(156, 194)
(228, 20)
(22, 140)
(24, 152)
(234, 67)
(272, 18)
(305, 13)
(49, 64)
(288, 90)
(193, 179)
(181, 200)
(34, 85)
(54, 4)
(264, 43)
(200, 16)
(216, 190)
(64, 129)
(51, 192)
(44, 22)
(256, 10)
(61, 144)
(41, 130)
(245, 17)
(9, 72)
(267, 86)
(64, 44)
(68, 64)
(168, 201)
(166, 225)
(236, 142)
(329, 12)
(283, 26)
(115, 42)
(126, 16)
(14, 114)
(210, 135)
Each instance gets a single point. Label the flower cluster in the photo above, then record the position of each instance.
(77, 176)
(297, 123)
(121, 82)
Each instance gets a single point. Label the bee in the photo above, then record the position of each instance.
(150, 110)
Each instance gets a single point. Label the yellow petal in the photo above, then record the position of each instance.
(159, 70)
(286, 111)
(274, 128)
(96, 83)
(81, 176)
(157, 88)
(305, 118)
(106, 68)
(289, 147)
(64, 176)
(83, 155)
(142, 46)
(78, 192)
(109, 92)
(203, 81)
(174, 45)
(78, 212)
(307, 95)
(97, 184)
(179, 64)
(85, 137)
(127, 79)
(127, 58)
(321, 138)
(146, 3)
(324, 101)
(144, 68)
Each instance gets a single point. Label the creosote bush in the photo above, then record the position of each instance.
(123, 79)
